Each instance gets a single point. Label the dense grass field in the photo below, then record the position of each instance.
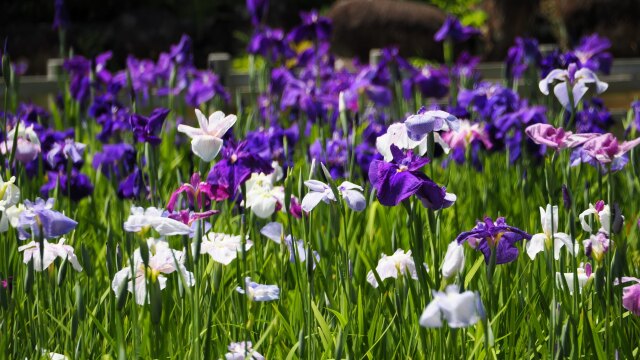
(325, 214)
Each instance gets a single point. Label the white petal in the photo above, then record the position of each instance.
(219, 124)
(583, 222)
(202, 120)
(560, 240)
(190, 131)
(311, 200)
(273, 231)
(431, 316)
(206, 147)
(536, 245)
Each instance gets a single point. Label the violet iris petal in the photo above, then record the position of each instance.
(397, 180)
(454, 31)
(498, 235)
(236, 166)
(40, 216)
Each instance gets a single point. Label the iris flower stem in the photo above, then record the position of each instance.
(574, 260)
(608, 261)
(572, 105)
(490, 298)
(447, 48)
(548, 168)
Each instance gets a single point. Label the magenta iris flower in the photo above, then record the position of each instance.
(453, 30)
(397, 180)
(199, 194)
(498, 235)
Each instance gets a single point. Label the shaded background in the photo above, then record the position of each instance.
(144, 28)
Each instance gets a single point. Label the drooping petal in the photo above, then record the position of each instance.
(431, 316)
(560, 240)
(273, 231)
(311, 200)
(536, 245)
(555, 74)
(206, 147)
(354, 199)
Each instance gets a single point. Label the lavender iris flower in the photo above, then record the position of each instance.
(397, 180)
(424, 122)
(574, 80)
(489, 236)
(147, 129)
(39, 218)
(454, 31)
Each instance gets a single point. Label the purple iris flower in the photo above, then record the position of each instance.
(314, 27)
(39, 215)
(366, 82)
(269, 143)
(77, 187)
(593, 118)
(270, 44)
(142, 73)
(181, 52)
(591, 53)
(635, 107)
(61, 152)
(397, 180)
(257, 10)
(333, 155)
(78, 68)
(60, 15)
(465, 67)
(237, 164)
(133, 186)
(204, 86)
(454, 31)
(488, 236)
(111, 115)
(524, 54)
(147, 129)
(430, 81)
(115, 159)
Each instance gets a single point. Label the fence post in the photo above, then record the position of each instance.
(374, 56)
(54, 68)
(220, 63)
